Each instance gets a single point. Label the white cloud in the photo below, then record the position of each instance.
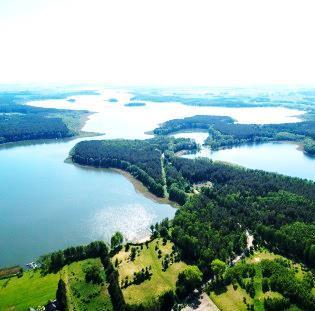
(158, 42)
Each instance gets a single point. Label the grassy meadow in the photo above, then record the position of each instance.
(30, 290)
(82, 295)
(160, 282)
(33, 289)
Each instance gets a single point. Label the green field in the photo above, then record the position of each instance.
(82, 295)
(231, 300)
(160, 282)
(33, 290)
(30, 290)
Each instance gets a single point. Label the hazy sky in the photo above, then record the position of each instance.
(158, 42)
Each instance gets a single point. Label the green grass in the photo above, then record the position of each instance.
(231, 300)
(30, 290)
(82, 295)
(261, 255)
(33, 290)
(160, 282)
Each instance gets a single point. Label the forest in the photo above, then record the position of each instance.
(224, 132)
(141, 158)
(240, 198)
(25, 127)
(22, 122)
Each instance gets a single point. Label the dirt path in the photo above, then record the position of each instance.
(164, 175)
(250, 240)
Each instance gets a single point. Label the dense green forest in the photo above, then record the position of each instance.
(22, 122)
(224, 132)
(237, 178)
(142, 158)
(26, 127)
(240, 198)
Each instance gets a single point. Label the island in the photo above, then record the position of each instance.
(135, 104)
(112, 100)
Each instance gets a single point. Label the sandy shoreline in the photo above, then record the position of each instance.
(139, 187)
(142, 189)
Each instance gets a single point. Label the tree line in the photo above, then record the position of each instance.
(224, 132)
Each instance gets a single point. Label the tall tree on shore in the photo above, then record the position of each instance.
(116, 240)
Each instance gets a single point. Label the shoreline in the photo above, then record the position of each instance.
(299, 145)
(138, 186)
(80, 134)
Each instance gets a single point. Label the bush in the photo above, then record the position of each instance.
(276, 304)
(93, 274)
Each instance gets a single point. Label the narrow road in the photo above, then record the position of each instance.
(250, 239)
(164, 175)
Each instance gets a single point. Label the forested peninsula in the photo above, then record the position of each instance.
(224, 132)
(19, 122)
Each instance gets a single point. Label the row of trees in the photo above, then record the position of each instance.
(53, 262)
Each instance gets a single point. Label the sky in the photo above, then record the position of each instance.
(145, 42)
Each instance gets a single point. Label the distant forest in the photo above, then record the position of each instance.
(22, 122)
(224, 132)
(298, 99)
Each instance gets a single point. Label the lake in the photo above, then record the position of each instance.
(47, 204)
(279, 157)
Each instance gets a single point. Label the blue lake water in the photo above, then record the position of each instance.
(283, 158)
(46, 204)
